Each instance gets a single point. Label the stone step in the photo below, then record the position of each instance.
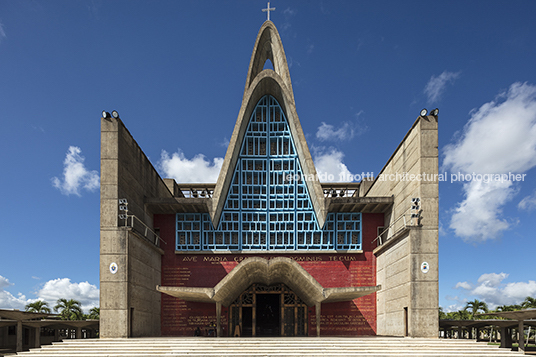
(228, 347)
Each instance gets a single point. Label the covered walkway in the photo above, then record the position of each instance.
(472, 329)
(20, 330)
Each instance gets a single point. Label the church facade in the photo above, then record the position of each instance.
(269, 250)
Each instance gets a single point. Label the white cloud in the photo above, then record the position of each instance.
(346, 131)
(327, 132)
(463, 285)
(4, 282)
(7, 299)
(51, 291)
(2, 32)
(86, 293)
(528, 203)
(198, 169)
(329, 165)
(435, 87)
(478, 216)
(457, 306)
(491, 289)
(492, 279)
(75, 174)
(499, 138)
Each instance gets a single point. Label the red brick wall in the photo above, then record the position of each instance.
(357, 317)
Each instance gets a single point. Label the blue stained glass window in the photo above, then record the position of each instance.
(268, 205)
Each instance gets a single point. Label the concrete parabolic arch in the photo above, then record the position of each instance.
(277, 83)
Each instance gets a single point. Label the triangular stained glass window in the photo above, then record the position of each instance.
(268, 205)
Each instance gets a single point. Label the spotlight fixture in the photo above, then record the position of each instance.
(123, 204)
(424, 112)
(416, 206)
(106, 115)
(434, 112)
(115, 114)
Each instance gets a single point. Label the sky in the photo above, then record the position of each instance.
(176, 70)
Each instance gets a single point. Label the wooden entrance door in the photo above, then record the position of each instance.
(282, 313)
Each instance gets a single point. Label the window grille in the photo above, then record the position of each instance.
(268, 205)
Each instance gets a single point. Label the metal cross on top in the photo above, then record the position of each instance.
(268, 9)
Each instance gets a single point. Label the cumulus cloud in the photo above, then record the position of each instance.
(458, 304)
(86, 293)
(346, 131)
(436, 86)
(75, 174)
(463, 285)
(329, 165)
(479, 216)
(4, 282)
(492, 289)
(7, 299)
(328, 132)
(198, 169)
(499, 138)
(528, 203)
(51, 291)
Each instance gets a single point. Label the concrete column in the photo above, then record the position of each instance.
(460, 332)
(218, 319)
(318, 305)
(521, 334)
(19, 336)
(78, 332)
(37, 337)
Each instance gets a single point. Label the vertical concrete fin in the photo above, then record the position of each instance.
(411, 172)
(127, 173)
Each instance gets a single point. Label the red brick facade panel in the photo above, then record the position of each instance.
(331, 270)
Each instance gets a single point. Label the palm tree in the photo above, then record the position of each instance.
(39, 306)
(475, 306)
(529, 303)
(94, 313)
(460, 315)
(508, 308)
(69, 309)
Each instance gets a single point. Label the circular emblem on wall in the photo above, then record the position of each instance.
(425, 267)
(113, 268)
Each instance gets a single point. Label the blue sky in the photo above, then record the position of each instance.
(176, 70)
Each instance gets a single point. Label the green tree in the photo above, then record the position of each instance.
(475, 306)
(69, 309)
(529, 303)
(460, 315)
(442, 315)
(508, 308)
(94, 313)
(38, 306)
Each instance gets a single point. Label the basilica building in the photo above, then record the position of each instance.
(269, 249)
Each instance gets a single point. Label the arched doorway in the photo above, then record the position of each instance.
(268, 311)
